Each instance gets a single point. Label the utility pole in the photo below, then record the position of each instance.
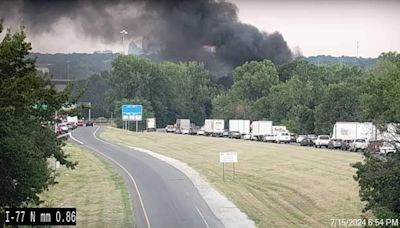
(357, 49)
(67, 69)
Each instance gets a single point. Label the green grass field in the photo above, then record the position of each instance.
(276, 185)
(94, 188)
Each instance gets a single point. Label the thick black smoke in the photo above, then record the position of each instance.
(179, 30)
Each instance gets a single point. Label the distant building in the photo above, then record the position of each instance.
(134, 49)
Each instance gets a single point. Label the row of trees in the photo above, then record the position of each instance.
(166, 90)
(307, 98)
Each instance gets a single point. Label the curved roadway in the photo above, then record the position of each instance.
(162, 196)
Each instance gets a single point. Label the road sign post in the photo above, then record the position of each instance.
(228, 157)
(132, 113)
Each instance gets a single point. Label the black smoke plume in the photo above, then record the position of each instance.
(178, 30)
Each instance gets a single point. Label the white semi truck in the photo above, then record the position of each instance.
(261, 128)
(182, 126)
(241, 126)
(353, 130)
(151, 124)
(214, 127)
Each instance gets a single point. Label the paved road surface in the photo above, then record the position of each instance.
(166, 199)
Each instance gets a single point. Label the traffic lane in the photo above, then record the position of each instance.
(85, 138)
(169, 197)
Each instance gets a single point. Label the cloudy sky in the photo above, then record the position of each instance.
(329, 27)
(313, 27)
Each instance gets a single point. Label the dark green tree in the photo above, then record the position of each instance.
(26, 138)
(378, 176)
(174, 91)
(339, 103)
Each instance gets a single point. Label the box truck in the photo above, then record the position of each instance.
(241, 126)
(151, 124)
(214, 127)
(261, 128)
(353, 130)
(389, 132)
(182, 126)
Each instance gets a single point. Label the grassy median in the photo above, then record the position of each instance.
(94, 188)
(276, 185)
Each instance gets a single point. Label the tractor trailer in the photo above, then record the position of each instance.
(182, 126)
(241, 126)
(353, 130)
(261, 128)
(214, 127)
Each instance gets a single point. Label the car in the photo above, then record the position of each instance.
(89, 123)
(306, 142)
(201, 132)
(72, 126)
(358, 144)
(247, 136)
(300, 137)
(374, 146)
(335, 144)
(283, 137)
(345, 144)
(389, 148)
(293, 138)
(234, 135)
(225, 133)
(170, 129)
(312, 137)
(62, 128)
(322, 141)
(80, 123)
(269, 138)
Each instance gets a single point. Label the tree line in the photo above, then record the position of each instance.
(306, 97)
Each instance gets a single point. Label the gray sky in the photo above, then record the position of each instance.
(314, 27)
(329, 27)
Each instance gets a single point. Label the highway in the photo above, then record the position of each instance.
(162, 196)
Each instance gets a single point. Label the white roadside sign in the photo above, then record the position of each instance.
(228, 157)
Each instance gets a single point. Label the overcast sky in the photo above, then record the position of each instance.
(329, 27)
(314, 27)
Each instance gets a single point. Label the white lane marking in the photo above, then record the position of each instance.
(123, 168)
(73, 138)
(202, 217)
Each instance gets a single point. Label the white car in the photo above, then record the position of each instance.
(322, 140)
(201, 132)
(283, 137)
(301, 137)
(247, 137)
(170, 128)
(388, 148)
(63, 127)
(358, 144)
